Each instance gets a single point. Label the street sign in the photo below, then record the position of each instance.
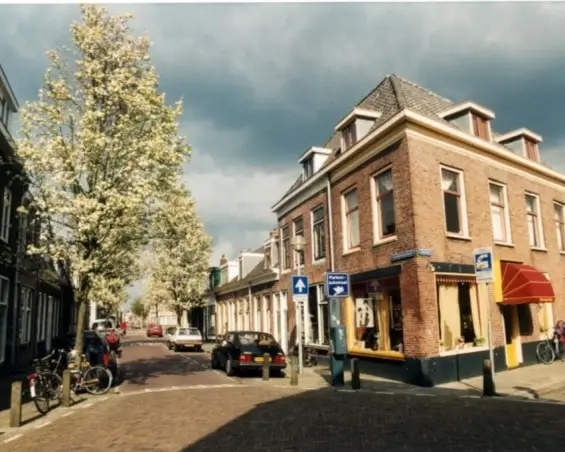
(483, 260)
(299, 285)
(337, 285)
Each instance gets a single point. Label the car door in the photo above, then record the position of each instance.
(225, 348)
(169, 333)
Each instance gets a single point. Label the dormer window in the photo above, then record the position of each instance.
(522, 142)
(308, 168)
(355, 126)
(312, 160)
(471, 118)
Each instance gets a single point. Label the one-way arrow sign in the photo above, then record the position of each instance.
(299, 285)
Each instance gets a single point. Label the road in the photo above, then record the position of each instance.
(173, 402)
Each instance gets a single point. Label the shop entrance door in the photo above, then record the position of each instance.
(513, 343)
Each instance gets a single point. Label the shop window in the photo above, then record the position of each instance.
(461, 312)
(312, 323)
(546, 320)
(378, 320)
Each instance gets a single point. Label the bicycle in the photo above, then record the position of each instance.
(548, 350)
(45, 384)
(95, 380)
(309, 357)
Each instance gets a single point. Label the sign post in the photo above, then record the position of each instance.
(483, 259)
(336, 287)
(300, 295)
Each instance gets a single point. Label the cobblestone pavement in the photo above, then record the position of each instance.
(243, 418)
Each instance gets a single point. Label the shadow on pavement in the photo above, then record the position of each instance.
(335, 421)
(141, 371)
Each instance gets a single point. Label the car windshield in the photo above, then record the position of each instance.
(256, 338)
(189, 332)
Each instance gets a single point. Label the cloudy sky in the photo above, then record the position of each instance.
(262, 83)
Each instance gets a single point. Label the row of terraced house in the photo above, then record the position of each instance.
(404, 190)
(35, 303)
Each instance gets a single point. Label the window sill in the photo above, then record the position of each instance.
(462, 351)
(319, 261)
(508, 245)
(450, 235)
(351, 251)
(539, 249)
(384, 241)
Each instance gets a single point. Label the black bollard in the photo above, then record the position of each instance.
(355, 376)
(488, 381)
(266, 366)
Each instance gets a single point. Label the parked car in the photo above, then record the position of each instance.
(185, 338)
(96, 349)
(244, 350)
(154, 330)
(170, 331)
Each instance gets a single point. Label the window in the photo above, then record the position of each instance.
(57, 318)
(26, 297)
(453, 201)
(351, 204)
(257, 315)
(223, 276)
(559, 216)
(534, 221)
(480, 127)
(348, 136)
(286, 248)
(6, 215)
(385, 223)
(4, 294)
(40, 328)
(298, 225)
(267, 257)
(308, 168)
(462, 309)
(266, 320)
(531, 151)
(23, 231)
(318, 234)
(499, 213)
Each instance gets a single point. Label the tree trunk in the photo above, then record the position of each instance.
(82, 302)
(179, 316)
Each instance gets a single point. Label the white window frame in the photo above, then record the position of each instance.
(378, 238)
(296, 254)
(506, 207)
(345, 221)
(318, 260)
(6, 216)
(265, 313)
(56, 311)
(286, 264)
(4, 297)
(322, 321)
(26, 295)
(560, 225)
(539, 221)
(464, 219)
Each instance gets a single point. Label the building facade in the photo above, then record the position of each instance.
(408, 184)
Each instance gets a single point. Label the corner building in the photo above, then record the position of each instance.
(410, 184)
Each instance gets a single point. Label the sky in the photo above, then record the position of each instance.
(261, 83)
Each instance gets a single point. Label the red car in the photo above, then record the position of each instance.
(154, 330)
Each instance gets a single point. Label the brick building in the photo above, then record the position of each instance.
(406, 187)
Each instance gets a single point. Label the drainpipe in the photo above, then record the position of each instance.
(330, 223)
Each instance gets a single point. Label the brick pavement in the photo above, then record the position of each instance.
(246, 419)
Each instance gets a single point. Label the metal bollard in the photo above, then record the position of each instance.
(355, 375)
(294, 370)
(16, 404)
(488, 381)
(266, 366)
(66, 391)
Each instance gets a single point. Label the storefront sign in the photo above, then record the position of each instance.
(483, 264)
(404, 255)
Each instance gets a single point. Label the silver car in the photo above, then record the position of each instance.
(185, 338)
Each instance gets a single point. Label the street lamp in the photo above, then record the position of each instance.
(298, 243)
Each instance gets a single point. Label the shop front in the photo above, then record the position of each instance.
(521, 292)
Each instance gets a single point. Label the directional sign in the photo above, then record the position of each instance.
(299, 285)
(337, 285)
(483, 264)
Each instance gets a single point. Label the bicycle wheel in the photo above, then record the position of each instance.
(41, 396)
(545, 353)
(97, 380)
(55, 386)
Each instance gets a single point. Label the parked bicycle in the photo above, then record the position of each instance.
(45, 383)
(309, 357)
(549, 349)
(96, 380)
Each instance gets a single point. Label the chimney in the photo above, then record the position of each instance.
(223, 260)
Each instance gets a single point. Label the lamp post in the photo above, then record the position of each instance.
(298, 243)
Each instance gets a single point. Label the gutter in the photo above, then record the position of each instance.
(330, 222)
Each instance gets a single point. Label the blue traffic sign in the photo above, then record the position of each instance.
(483, 260)
(299, 285)
(337, 285)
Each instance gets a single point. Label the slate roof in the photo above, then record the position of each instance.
(392, 95)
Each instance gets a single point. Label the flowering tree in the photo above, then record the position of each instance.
(100, 146)
(181, 253)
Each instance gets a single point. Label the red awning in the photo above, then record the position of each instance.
(524, 284)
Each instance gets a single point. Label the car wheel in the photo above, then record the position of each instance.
(175, 347)
(230, 372)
